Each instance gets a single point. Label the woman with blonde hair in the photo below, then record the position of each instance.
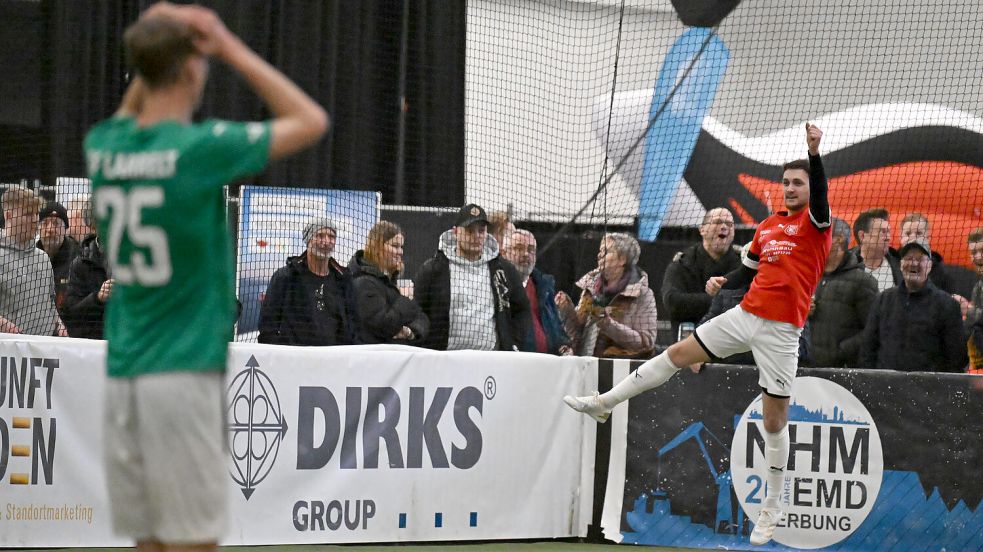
(386, 315)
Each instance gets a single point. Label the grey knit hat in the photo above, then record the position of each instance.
(317, 224)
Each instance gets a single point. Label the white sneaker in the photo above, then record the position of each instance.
(590, 406)
(764, 529)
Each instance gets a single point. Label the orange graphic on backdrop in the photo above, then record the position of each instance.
(942, 191)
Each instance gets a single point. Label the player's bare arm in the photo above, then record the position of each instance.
(298, 120)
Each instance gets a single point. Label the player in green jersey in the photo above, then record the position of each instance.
(157, 181)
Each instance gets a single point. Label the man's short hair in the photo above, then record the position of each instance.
(157, 47)
(976, 235)
(21, 198)
(865, 218)
(626, 246)
(798, 164)
(706, 217)
(914, 217)
(842, 229)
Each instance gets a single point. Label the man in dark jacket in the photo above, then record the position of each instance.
(915, 326)
(872, 230)
(916, 225)
(89, 288)
(841, 305)
(473, 298)
(311, 300)
(684, 283)
(60, 247)
(546, 333)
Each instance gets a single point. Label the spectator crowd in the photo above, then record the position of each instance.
(875, 307)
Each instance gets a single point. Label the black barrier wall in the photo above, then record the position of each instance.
(679, 489)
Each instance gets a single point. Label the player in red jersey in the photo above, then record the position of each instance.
(783, 266)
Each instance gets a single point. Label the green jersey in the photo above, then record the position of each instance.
(159, 203)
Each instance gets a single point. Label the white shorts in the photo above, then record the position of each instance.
(775, 346)
(165, 457)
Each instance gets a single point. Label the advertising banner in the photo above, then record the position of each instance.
(271, 227)
(327, 445)
(879, 460)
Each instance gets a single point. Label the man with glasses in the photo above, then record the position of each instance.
(684, 292)
(27, 282)
(546, 333)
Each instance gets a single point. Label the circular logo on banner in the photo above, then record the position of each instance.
(834, 468)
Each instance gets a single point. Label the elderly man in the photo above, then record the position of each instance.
(473, 298)
(841, 305)
(915, 327)
(916, 225)
(684, 291)
(546, 333)
(311, 300)
(27, 284)
(60, 247)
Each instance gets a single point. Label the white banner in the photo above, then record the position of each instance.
(328, 445)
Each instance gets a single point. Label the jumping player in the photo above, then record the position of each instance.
(783, 266)
(157, 181)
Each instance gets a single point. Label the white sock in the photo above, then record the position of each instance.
(650, 375)
(776, 457)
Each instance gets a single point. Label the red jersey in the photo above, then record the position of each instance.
(789, 253)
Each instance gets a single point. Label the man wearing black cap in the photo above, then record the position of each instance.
(60, 247)
(311, 300)
(473, 298)
(915, 326)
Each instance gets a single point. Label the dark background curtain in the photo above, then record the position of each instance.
(346, 54)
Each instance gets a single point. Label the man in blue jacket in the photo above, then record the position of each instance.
(546, 333)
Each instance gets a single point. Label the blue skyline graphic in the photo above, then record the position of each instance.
(799, 413)
(903, 519)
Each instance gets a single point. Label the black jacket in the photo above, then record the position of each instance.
(915, 332)
(843, 301)
(684, 283)
(61, 265)
(287, 313)
(432, 291)
(382, 309)
(81, 310)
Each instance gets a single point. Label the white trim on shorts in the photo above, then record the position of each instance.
(775, 346)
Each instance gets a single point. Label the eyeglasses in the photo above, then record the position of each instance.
(531, 249)
(721, 222)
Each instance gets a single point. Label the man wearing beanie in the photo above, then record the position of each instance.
(311, 300)
(60, 247)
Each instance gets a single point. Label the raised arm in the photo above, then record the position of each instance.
(298, 121)
(819, 210)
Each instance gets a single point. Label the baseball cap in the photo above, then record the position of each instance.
(920, 243)
(313, 226)
(470, 214)
(54, 208)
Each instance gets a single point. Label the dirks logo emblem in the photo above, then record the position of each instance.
(256, 426)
